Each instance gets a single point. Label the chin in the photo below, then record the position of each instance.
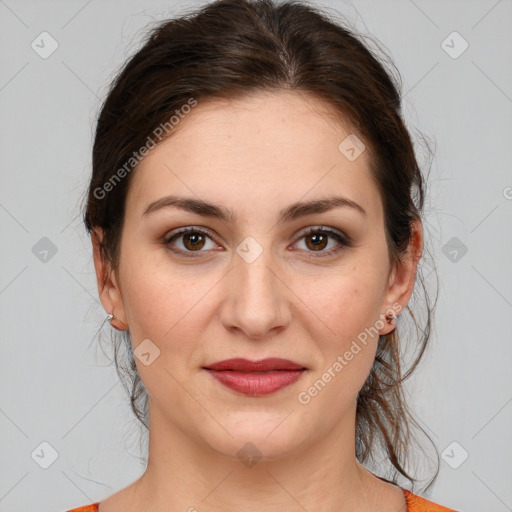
(258, 437)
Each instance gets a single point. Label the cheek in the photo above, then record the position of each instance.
(346, 357)
(167, 308)
(343, 324)
(149, 288)
(344, 305)
(165, 303)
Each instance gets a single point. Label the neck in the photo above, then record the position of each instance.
(185, 473)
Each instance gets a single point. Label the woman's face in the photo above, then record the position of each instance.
(255, 285)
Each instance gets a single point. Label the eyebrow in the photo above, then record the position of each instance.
(291, 212)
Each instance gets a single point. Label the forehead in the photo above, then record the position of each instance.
(264, 146)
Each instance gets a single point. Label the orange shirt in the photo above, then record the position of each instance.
(414, 504)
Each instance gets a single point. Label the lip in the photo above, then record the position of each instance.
(256, 378)
(264, 365)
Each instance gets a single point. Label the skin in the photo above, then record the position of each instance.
(255, 155)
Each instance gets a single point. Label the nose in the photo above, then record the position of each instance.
(257, 298)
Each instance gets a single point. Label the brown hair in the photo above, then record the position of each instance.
(230, 48)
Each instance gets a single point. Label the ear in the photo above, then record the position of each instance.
(107, 282)
(403, 276)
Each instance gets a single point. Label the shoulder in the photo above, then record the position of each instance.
(418, 504)
(86, 508)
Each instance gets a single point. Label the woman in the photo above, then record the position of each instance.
(255, 214)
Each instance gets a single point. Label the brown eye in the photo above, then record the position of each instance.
(188, 241)
(318, 241)
(193, 241)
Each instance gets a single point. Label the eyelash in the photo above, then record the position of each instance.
(342, 239)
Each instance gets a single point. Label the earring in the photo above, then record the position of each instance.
(111, 317)
(390, 318)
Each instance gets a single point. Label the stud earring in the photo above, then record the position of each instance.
(390, 318)
(111, 317)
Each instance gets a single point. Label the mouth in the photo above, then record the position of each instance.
(256, 378)
(263, 365)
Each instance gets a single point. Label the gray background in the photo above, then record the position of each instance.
(57, 385)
